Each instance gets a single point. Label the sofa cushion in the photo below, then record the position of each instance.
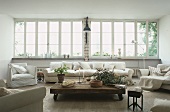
(69, 65)
(55, 65)
(22, 76)
(97, 65)
(161, 105)
(120, 72)
(109, 66)
(167, 80)
(155, 71)
(19, 69)
(85, 65)
(167, 74)
(76, 66)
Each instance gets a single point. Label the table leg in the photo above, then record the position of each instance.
(55, 97)
(120, 96)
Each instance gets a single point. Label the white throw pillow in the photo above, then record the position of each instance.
(20, 69)
(167, 80)
(155, 71)
(55, 65)
(167, 74)
(76, 66)
(161, 105)
(68, 64)
(97, 65)
(4, 91)
(84, 65)
(109, 66)
(165, 70)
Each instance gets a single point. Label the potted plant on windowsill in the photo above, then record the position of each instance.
(61, 73)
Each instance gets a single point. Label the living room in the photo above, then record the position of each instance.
(38, 33)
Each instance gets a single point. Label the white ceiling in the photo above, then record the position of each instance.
(98, 9)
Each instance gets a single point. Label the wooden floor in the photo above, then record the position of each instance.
(96, 102)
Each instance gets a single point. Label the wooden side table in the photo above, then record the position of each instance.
(40, 76)
(135, 94)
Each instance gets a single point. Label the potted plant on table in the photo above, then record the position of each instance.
(61, 73)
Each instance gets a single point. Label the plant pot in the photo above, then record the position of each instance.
(60, 78)
(96, 83)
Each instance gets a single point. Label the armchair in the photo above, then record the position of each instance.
(21, 74)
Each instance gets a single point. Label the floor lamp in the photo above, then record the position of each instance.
(135, 42)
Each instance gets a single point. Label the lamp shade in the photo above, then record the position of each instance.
(86, 29)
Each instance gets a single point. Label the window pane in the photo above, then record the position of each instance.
(54, 26)
(95, 26)
(141, 27)
(19, 38)
(141, 50)
(53, 38)
(19, 27)
(106, 50)
(77, 26)
(19, 50)
(116, 50)
(118, 38)
(42, 50)
(77, 38)
(106, 27)
(30, 38)
(118, 26)
(65, 49)
(30, 50)
(53, 50)
(66, 38)
(129, 38)
(130, 51)
(95, 50)
(106, 38)
(95, 38)
(42, 26)
(77, 50)
(141, 38)
(130, 27)
(65, 26)
(30, 27)
(153, 44)
(42, 38)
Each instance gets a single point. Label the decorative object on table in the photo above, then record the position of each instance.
(119, 52)
(96, 83)
(61, 73)
(108, 77)
(82, 77)
(68, 83)
(40, 76)
(88, 79)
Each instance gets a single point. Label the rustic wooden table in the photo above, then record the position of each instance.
(85, 88)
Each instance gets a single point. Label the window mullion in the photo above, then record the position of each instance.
(101, 50)
(71, 39)
(147, 42)
(36, 39)
(124, 39)
(25, 53)
(48, 44)
(113, 39)
(136, 45)
(59, 47)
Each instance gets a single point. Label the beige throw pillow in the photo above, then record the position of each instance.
(84, 65)
(97, 65)
(161, 105)
(76, 66)
(4, 91)
(155, 71)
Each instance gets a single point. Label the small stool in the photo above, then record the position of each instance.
(135, 93)
(40, 76)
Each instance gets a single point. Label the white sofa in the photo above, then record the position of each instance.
(22, 101)
(89, 68)
(165, 77)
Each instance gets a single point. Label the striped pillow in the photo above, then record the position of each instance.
(155, 71)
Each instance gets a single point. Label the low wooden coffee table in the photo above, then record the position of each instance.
(85, 88)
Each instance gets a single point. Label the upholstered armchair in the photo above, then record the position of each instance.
(21, 74)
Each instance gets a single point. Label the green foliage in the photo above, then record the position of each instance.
(61, 70)
(96, 54)
(108, 77)
(152, 35)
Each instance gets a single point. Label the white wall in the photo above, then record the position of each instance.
(6, 43)
(164, 39)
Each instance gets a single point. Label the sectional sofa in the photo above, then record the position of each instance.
(85, 68)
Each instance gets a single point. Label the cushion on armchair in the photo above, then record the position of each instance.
(19, 69)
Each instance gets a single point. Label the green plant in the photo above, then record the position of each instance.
(108, 77)
(61, 70)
